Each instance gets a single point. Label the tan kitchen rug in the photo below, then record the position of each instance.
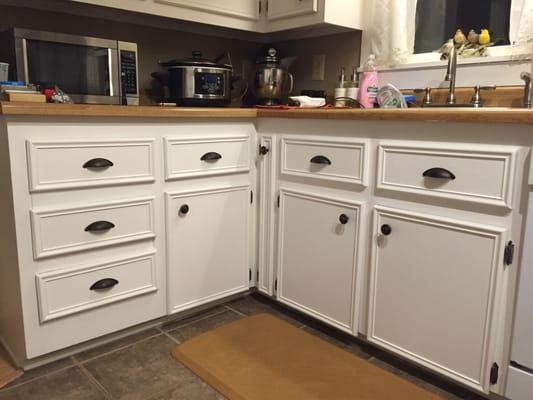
(265, 358)
(8, 373)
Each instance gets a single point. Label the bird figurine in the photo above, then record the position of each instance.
(484, 37)
(446, 48)
(459, 37)
(473, 37)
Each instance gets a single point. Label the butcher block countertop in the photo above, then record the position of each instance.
(482, 115)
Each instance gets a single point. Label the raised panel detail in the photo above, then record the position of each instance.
(281, 9)
(481, 173)
(318, 256)
(433, 292)
(66, 230)
(208, 245)
(333, 159)
(245, 9)
(64, 292)
(56, 165)
(183, 156)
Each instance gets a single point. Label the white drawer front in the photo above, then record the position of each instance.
(63, 231)
(480, 174)
(334, 159)
(192, 157)
(68, 291)
(54, 165)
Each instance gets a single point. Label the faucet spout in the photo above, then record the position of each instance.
(451, 74)
(528, 89)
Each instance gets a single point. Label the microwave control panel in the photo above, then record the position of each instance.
(128, 68)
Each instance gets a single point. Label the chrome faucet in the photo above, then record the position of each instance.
(451, 73)
(526, 77)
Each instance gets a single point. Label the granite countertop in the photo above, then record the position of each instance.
(482, 115)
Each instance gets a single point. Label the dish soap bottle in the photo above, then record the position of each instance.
(369, 85)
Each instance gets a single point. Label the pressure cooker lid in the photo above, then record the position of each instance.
(195, 61)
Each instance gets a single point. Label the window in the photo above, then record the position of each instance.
(437, 21)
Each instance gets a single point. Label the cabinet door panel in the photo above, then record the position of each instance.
(246, 9)
(208, 245)
(317, 261)
(280, 9)
(432, 292)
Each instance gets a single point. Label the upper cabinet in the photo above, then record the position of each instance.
(284, 15)
(242, 9)
(281, 9)
(263, 16)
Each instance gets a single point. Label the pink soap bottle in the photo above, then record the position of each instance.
(369, 83)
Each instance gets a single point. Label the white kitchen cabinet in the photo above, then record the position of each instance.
(208, 245)
(280, 9)
(318, 256)
(244, 9)
(262, 16)
(434, 285)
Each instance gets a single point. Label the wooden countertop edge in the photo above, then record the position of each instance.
(487, 115)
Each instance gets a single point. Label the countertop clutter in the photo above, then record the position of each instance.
(469, 115)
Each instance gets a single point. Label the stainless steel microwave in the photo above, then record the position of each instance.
(90, 70)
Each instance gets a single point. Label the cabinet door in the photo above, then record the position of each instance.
(207, 245)
(280, 9)
(318, 241)
(245, 9)
(433, 285)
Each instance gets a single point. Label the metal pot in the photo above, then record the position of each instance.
(271, 83)
(196, 81)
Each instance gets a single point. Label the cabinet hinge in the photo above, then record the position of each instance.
(266, 6)
(276, 285)
(494, 372)
(260, 6)
(508, 254)
(278, 200)
(251, 197)
(257, 276)
(250, 274)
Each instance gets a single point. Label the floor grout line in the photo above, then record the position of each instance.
(92, 379)
(236, 311)
(8, 388)
(114, 350)
(194, 321)
(168, 335)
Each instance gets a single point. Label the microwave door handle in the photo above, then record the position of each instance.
(112, 73)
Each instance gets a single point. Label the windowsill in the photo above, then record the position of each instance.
(500, 54)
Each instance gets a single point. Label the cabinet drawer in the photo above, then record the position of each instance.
(54, 165)
(334, 159)
(61, 231)
(480, 174)
(192, 157)
(68, 291)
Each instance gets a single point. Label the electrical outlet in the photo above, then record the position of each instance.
(319, 67)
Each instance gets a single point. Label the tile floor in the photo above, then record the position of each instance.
(140, 367)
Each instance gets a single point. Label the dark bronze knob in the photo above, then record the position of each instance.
(343, 219)
(263, 150)
(386, 229)
(184, 209)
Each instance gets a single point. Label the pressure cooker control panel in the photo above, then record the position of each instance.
(209, 83)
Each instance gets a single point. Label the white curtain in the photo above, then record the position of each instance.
(391, 28)
(521, 31)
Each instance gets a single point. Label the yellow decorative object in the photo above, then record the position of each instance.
(484, 37)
